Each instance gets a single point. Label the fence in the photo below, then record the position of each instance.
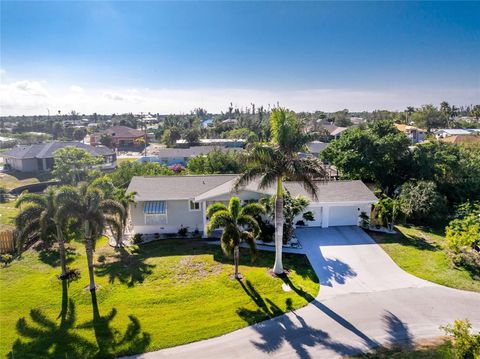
(6, 242)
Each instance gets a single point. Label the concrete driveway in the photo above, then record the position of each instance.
(365, 300)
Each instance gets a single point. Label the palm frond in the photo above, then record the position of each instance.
(32, 198)
(250, 223)
(234, 207)
(229, 239)
(253, 209)
(215, 207)
(218, 220)
(248, 238)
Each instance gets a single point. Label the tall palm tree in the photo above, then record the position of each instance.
(447, 111)
(88, 206)
(275, 162)
(239, 225)
(410, 110)
(43, 218)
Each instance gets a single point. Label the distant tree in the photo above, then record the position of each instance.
(429, 117)
(124, 173)
(72, 165)
(216, 162)
(379, 153)
(106, 140)
(171, 135)
(79, 134)
(421, 202)
(193, 136)
(475, 112)
(409, 111)
(238, 225)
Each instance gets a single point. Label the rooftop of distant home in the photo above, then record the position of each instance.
(47, 149)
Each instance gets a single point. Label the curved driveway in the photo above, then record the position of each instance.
(365, 300)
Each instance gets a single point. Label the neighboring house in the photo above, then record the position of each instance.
(357, 120)
(445, 132)
(334, 131)
(315, 147)
(462, 139)
(122, 137)
(415, 134)
(6, 142)
(172, 156)
(39, 157)
(223, 142)
(164, 204)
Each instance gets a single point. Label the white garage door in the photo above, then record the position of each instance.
(343, 216)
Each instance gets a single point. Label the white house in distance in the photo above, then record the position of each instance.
(415, 134)
(166, 203)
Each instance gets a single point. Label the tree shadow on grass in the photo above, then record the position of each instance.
(46, 338)
(59, 338)
(50, 255)
(277, 331)
(416, 241)
(127, 267)
(111, 342)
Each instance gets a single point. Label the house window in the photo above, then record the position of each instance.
(194, 206)
(155, 212)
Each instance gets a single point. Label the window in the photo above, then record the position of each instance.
(155, 212)
(194, 206)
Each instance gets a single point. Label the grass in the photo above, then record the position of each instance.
(428, 349)
(419, 251)
(125, 160)
(8, 212)
(158, 295)
(15, 179)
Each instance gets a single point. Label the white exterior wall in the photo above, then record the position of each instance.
(23, 165)
(178, 214)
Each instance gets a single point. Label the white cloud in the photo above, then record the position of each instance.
(33, 97)
(2, 72)
(76, 89)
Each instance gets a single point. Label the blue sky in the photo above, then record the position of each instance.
(307, 55)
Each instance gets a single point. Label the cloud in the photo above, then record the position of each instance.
(33, 97)
(76, 89)
(3, 72)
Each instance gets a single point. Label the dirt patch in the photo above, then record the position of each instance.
(195, 267)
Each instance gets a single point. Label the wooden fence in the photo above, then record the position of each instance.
(7, 243)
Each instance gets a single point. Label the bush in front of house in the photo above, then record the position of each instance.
(6, 259)
(182, 231)
(137, 238)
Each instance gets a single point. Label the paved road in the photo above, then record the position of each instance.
(365, 300)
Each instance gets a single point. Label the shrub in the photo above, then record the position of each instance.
(137, 238)
(183, 231)
(468, 259)
(3, 194)
(421, 202)
(6, 259)
(464, 343)
(364, 220)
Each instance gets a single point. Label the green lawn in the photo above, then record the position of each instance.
(434, 349)
(161, 294)
(419, 251)
(8, 212)
(15, 179)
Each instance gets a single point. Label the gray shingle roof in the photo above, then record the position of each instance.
(316, 146)
(46, 150)
(123, 131)
(174, 187)
(210, 186)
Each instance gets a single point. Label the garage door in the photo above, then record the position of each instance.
(343, 216)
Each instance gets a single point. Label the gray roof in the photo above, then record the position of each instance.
(174, 187)
(46, 150)
(203, 187)
(190, 152)
(316, 147)
(123, 131)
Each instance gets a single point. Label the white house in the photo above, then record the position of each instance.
(445, 132)
(166, 203)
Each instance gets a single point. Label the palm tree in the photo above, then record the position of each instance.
(43, 218)
(410, 110)
(275, 162)
(447, 111)
(88, 206)
(239, 225)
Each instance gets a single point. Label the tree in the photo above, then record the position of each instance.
(238, 224)
(3, 194)
(429, 117)
(192, 136)
(171, 135)
(79, 134)
(464, 229)
(421, 202)
(43, 217)
(72, 165)
(94, 213)
(409, 111)
(475, 112)
(379, 153)
(106, 140)
(278, 161)
(124, 173)
(387, 210)
(292, 208)
(216, 162)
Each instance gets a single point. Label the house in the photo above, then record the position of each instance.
(315, 147)
(445, 132)
(164, 204)
(334, 132)
(122, 137)
(39, 157)
(172, 156)
(415, 134)
(223, 142)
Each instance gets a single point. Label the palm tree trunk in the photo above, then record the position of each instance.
(89, 251)
(61, 250)
(236, 255)
(278, 267)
